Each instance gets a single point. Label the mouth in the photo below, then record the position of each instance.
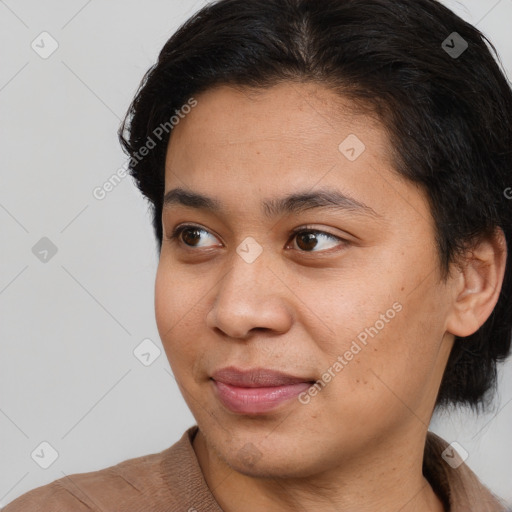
(258, 390)
(256, 377)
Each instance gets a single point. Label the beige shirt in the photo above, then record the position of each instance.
(172, 481)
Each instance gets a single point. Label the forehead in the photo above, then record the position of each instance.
(290, 137)
(297, 114)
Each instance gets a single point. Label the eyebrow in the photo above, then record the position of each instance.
(298, 202)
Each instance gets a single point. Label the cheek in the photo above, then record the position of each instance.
(180, 303)
(172, 303)
(394, 365)
(388, 319)
(177, 293)
(165, 302)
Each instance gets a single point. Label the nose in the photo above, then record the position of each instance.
(250, 298)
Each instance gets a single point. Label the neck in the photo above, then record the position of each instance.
(386, 482)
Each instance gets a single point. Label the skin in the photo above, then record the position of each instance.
(358, 444)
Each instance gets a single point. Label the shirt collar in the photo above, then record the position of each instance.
(453, 481)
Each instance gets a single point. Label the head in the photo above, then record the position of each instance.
(406, 280)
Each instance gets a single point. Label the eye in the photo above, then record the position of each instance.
(307, 239)
(191, 235)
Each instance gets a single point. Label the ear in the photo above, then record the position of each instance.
(477, 285)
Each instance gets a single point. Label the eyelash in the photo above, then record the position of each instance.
(174, 237)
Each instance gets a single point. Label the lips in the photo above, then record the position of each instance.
(256, 378)
(256, 391)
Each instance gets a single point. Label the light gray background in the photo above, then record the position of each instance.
(68, 328)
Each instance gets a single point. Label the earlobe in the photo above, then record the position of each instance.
(479, 282)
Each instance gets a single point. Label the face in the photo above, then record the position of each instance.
(343, 294)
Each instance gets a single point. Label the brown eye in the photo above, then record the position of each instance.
(309, 239)
(306, 241)
(189, 235)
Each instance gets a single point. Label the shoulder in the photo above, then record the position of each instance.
(136, 482)
(453, 480)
